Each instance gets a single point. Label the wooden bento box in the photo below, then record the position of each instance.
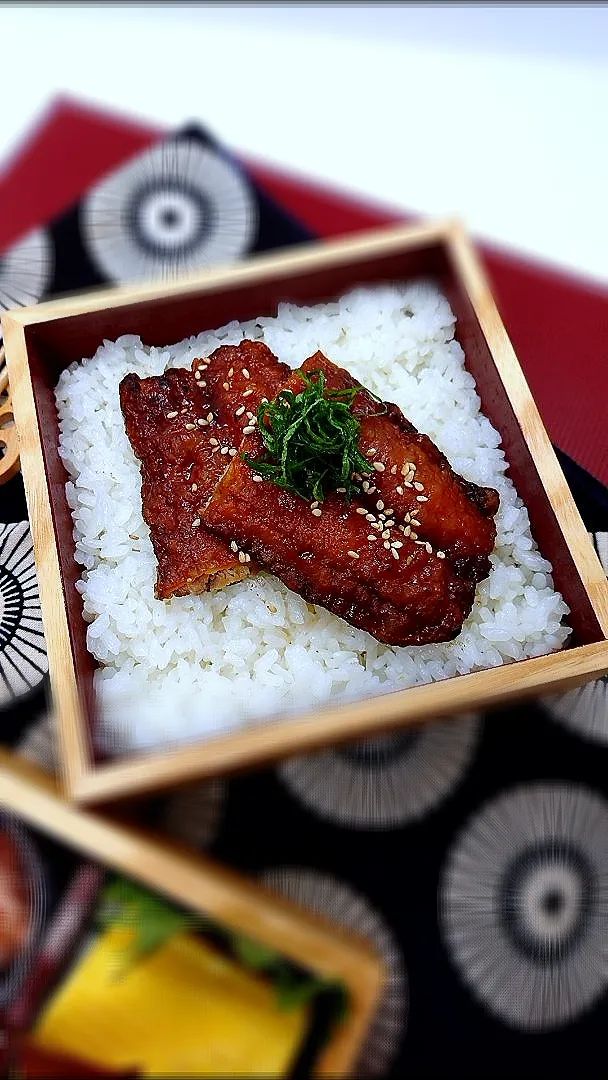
(200, 886)
(41, 341)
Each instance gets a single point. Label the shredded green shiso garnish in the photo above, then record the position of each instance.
(311, 439)
(154, 921)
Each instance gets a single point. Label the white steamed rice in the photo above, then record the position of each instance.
(197, 665)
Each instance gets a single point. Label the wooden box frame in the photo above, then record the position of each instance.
(40, 341)
(202, 885)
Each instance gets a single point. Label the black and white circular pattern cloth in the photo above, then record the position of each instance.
(388, 782)
(322, 894)
(23, 659)
(180, 206)
(26, 269)
(583, 710)
(194, 815)
(523, 904)
(40, 743)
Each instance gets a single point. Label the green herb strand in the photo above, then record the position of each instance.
(311, 440)
(154, 921)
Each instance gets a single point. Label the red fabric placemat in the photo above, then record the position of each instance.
(558, 324)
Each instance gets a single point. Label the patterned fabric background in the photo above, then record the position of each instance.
(184, 204)
(472, 852)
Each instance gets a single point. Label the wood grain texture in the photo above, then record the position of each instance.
(533, 430)
(198, 883)
(43, 340)
(75, 752)
(9, 441)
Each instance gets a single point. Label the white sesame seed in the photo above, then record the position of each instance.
(354, 554)
(386, 544)
(372, 450)
(406, 530)
(421, 498)
(194, 487)
(256, 477)
(362, 510)
(234, 546)
(394, 553)
(246, 373)
(226, 385)
(190, 427)
(246, 393)
(428, 548)
(196, 523)
(370, 517)
(231, 373)
(209, 416)
(407, 484)
(317, 512)
(389, 512)
(393, 470)
(399, 490)
(184, 410)
(242, 558)
(214, 442)
(389, 524)
(378, 466)
(203, 383)
(171, 415)
(264, 400)
(441, 554)
(411, 466)
(248, 430)
(250, 415)
(224, 449)
(419, 543)
(379, 505)
(372, 536)
(313, 505)
(382, 517)
(341, 490)
(198, 374)
(413, 536)
(386, 533)
(202, 422)
(397, 544)
(404, 470)
(366, 485)
(418, 486)
(240, 410)
(233, 451)
(414, 521)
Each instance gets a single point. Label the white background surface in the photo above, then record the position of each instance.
(499, 114)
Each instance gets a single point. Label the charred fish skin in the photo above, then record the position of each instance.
(236, 378)
(416, 481)
(167, 423)
(340, 555)
(407, 598)
(184, 427)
